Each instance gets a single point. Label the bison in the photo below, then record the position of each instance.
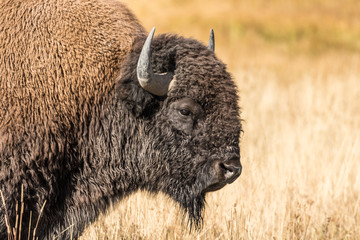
(92, 109)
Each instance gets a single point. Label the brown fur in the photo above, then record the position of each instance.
(49, 41)
(55, 64)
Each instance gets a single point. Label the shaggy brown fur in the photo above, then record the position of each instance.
(47, 41)
(78, 131)
(55, 63)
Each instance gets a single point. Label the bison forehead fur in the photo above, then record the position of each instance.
(79, 132)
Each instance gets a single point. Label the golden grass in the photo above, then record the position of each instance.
(296, 64)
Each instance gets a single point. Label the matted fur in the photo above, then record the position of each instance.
(78, 131)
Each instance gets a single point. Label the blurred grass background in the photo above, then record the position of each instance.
(296, 64)
(311, 26)
(284, 35)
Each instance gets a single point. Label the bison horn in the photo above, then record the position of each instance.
(211, 44)
(156, 84)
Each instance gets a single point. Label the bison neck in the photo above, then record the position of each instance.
(108, 171)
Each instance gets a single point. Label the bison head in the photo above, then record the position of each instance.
(187, 108)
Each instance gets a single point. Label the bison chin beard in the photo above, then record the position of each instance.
(194, 208)
(193, 205)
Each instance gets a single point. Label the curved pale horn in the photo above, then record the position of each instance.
(156, 84)
(211, 44)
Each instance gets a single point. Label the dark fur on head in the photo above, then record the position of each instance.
(77, 130)
(202, 77)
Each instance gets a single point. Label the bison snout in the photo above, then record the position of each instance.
(230, 169)
(225, 172)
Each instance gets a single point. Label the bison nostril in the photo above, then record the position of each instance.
(230, 170)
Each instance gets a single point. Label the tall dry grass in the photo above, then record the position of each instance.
(296, 64)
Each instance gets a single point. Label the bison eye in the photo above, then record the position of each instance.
(185, 112)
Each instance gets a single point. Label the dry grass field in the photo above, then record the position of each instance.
(297, 66)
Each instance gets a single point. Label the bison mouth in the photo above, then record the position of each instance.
(217, 186)
(214, 187)
(194, 204)
(225, 175)
(191, 195)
